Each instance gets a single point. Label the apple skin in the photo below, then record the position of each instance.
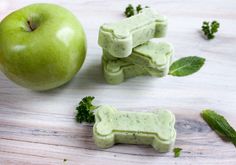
(42, 46)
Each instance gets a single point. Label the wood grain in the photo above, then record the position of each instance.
(39, 127)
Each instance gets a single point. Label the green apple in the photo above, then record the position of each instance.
(42, 46)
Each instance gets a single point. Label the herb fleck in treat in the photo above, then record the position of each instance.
(220, 125)
(210, 28)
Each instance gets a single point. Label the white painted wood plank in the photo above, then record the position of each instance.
(39, 127)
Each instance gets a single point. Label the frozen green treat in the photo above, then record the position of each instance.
(150, 128)
(121, 37)
(117, 71)
(153, 54)
(150, 58)
(150, 54)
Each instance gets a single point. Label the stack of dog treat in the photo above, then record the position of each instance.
(128, 51)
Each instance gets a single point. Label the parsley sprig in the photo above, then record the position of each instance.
(139, 8)
(209, 29)
(85, 110)
(130, 11)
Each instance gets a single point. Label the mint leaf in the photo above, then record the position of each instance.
(220, 125)
(177, 152)
(186, 66)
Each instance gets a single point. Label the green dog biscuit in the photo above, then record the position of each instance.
(151, 59)
(150, 54)
(117, 71)
(152, 128)
(120, 38)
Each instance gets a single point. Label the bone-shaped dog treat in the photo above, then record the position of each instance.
(150, 54)
(117, 71)
(120, 38)
(151, 58)
(153, 54)
(153, 128)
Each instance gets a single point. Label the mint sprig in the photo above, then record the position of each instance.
(186, 66)
(219, 124)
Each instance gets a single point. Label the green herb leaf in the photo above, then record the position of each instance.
(85, 110)
(177, 152)
(220, 125)
(186, 66)
(129, 11)
(210, 28)
(139, 8)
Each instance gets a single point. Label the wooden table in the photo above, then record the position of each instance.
(39, 127)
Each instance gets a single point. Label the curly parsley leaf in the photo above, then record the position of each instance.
(129, 11)
(209, 29)
(220, 125)
(85, 110)
(139, 8)
(186, 66)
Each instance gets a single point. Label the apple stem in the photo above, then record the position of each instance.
(31, 26)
